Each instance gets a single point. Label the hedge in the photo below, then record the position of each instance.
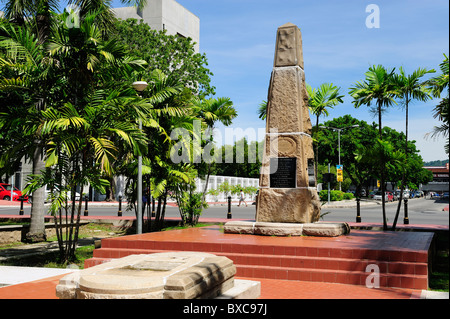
(335, 195)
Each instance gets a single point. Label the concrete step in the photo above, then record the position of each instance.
(289, 261)
(305, 268)
(399, 258)
(245, 248)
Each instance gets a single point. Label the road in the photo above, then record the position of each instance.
(420, 211)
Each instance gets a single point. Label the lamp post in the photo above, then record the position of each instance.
(139, 86)
(339, 141)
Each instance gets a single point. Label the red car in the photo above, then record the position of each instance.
(390, 196)
(5, 192)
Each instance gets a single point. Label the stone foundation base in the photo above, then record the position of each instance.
(319, 229)
(171, 275)
(290, 205)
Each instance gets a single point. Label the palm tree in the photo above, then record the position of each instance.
(37, 18)
(81, 147)
(379, 89)
(320, 100)
(82, 132)
(167, 102)
(262, 110)
(29, 74)
(437, 85)
(409, 88)
(212, 111)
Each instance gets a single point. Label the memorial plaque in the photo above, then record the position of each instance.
(283, 172)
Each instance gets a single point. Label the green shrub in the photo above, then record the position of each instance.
(323, 194)
(348, 196)
(335, 195)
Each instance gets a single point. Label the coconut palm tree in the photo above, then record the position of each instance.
(437, 86)
(81, 132)
(36, 18)
(320, 100)
(29, 73)
(378, 92)
(262, 110)
(212, 111)
(409, 87)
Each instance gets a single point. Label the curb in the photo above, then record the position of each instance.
(428, 294)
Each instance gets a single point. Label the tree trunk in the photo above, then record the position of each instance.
(163, 213)
(383, 188)
(36, 232)
(111, 189)
(205, 189)
(316, 155)
(402, 187)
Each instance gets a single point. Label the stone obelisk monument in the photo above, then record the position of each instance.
(288, 192)
(288, 203)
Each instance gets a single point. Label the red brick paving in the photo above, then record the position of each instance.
(401, 256)
(284, 289)
(270, 289)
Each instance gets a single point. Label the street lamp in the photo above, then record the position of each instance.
(139, 86)
(339, 141)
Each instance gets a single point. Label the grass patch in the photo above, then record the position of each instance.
(11, 245)
(81, 254)
(439, 277)
(50, 259)
(13, 223)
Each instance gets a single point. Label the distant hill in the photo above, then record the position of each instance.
(436, 163)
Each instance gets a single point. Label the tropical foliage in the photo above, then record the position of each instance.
(320, 100)
(171, 54)
(369, 155)
(409, 87)
(437, 86)
(68, 106)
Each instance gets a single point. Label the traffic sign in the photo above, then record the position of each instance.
(340, 173)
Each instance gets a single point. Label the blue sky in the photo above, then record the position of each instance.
(238, 37)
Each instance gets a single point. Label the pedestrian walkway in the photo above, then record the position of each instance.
(44, 281)
(45, 288)
(13, 275)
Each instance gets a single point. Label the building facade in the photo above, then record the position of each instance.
(440, 181)
(165, 15)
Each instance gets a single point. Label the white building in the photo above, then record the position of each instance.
(165, 15)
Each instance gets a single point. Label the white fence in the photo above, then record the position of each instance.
(215, 181)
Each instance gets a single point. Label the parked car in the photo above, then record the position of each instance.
(434, 195)
(390, 196)
(405, 194)
(395, 196)
(445, 195)
(5, 192)
(419, 194)
(387, 196)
